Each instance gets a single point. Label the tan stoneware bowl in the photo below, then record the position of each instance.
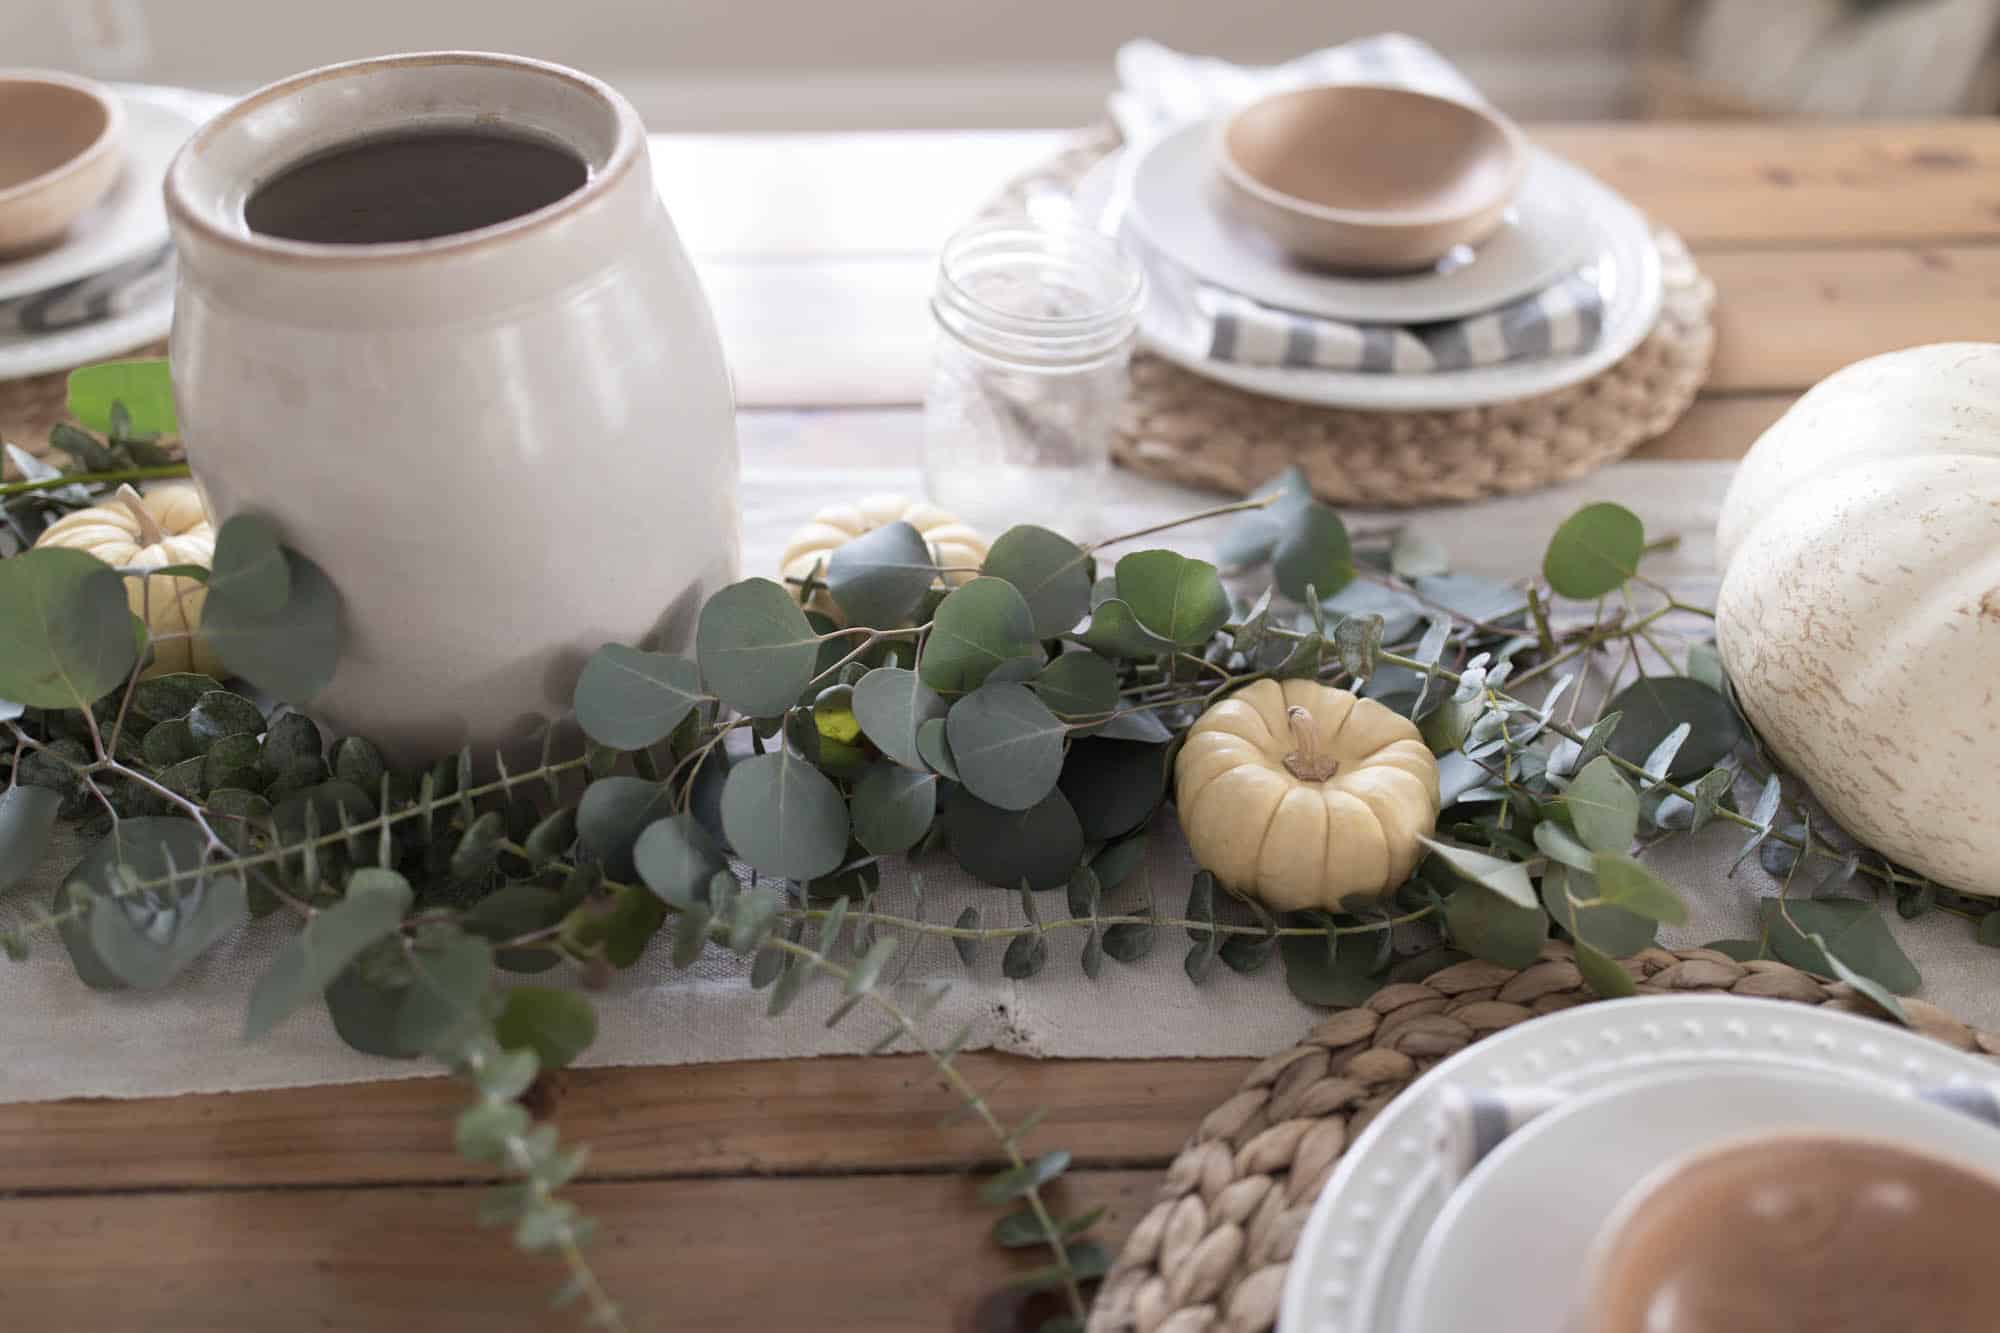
(1355, 176)
(61, 148)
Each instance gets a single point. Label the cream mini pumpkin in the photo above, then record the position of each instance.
(1859, 614)
(168, 525)
(954, 544)
(1301, 795)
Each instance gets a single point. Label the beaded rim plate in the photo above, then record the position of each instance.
(1570, 1168)
(1362, 1237)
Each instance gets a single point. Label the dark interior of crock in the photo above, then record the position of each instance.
(414, 185)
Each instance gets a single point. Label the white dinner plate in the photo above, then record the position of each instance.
(1351, 1267)
(1622, 258)
(1175, 210)
(131, 220)
(25, 354)
(1514, 1236)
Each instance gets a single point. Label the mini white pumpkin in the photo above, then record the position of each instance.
(1301, 795)
(1859, 616)
(169, 525)
(954, 544)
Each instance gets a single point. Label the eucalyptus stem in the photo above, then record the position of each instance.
(160, 473)
(1238, 507)
(935, 931)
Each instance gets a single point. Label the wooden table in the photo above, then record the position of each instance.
(826, 1194)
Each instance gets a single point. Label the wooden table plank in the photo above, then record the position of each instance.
(756, 1118)
(872, 1254)
(1839, 183)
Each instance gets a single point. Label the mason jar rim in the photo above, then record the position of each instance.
(1038, 339)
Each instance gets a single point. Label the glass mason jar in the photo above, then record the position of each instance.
(1036, 326)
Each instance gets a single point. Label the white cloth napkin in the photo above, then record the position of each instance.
(1161, 90)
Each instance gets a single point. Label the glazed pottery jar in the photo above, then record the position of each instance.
(507, 443)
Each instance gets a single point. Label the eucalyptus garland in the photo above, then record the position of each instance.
(1021, 722)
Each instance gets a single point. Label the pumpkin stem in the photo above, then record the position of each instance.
(1305, 763)
(149, 527)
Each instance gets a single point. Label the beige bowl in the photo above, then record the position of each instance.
(61, 148)
(1357, 176)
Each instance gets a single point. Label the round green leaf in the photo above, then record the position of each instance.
(1653, 706)
(890, 703)
(140, 389)
(375, 902)
(221, 713)
(784, 817)
(1040, 845)
(879, 578)
(250, 571)
(980, 625)
(289, 652)
(1507, 878)
(1623, 880)
(1313, 553)
(1079, 685)
(893, 808)
(1007, 745)
(629, 699)
(557, 1025)
(1115, 631)
(1176, 598)
(1595, 550)
(755, 647)
(1488, 926)
(613, 813)
(1049, 570)
(676, 858)
(173, 695)
(1803, 931)
(143, 847)
(68, 637)
(1610, 929)
(1330, 972)
(935, 747)
(27, 817)
(1113, 785)
(1603, 807)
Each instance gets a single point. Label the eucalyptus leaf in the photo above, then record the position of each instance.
(1804, 932)
(1142, 725)
(1040, 845)
(172, 695)
(755, 647)
(250, 572)
(373, 907)
(978, 626)
(1488, 926)
(290, 652)
(1399, 611)
(1313, 553)
(1329, 971)
(142, 848)
(1254, 626)
(935, 746)
(1603, 975)
(1653, 706)
(1509, 879)
(449, 976)
(1252, 537)
(879, 578)
(1708, 796)
(1006, 744)
(1116, 862)
(892, 808)
(69, 636)
(141, 387)
(890, 704)
(1602, 807)
(629, 699)
(27, 817)
(612, 815)
(1415, 556)
(1115, 631)
(1556, 843)
(1025, 956)
(1079, 685)
(1113, 785)
(1174, 597)
(1626, 882)
(1051, 573)
(221, 713)
(511, 910)
(1130, 941)
(1605, 927)
(557, 1025)
(1595, 551)
(784, 816)
(676, 858)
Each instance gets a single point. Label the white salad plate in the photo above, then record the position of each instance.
(131, 220)
(1516, 1233)
(1174, 208)
(1619, 252)
(1352, 1268)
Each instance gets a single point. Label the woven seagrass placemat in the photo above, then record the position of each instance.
(1184, 428)
(1210, 1256)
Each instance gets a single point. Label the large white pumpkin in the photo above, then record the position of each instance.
(1860, 608)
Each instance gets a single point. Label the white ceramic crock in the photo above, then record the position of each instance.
(505, 446)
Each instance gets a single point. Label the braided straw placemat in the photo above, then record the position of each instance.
(1184, 428)
(1210, 1257)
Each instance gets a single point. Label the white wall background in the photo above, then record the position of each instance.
(800, 64)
